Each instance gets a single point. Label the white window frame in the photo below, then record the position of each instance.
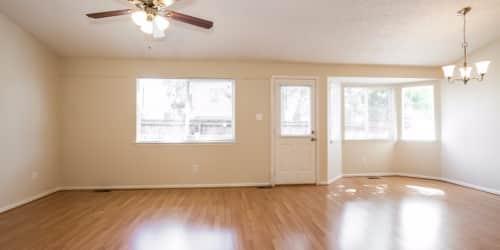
(394, 110)
(435, 117)
(138, 140)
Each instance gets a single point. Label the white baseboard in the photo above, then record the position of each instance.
(29, 199)
(251, 184)
(330, 181)
(465, 184)
(452, 181)
(261, 184)
(369, 174)
(419, 176)
(117, 187)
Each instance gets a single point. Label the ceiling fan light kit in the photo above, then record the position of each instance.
(465, 71)
(152, 16)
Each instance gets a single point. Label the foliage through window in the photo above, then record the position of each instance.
(185, 110)
(296, 111)
(369, 113)
(418, 113)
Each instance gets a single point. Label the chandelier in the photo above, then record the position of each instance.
(465, 71)
(148, 18)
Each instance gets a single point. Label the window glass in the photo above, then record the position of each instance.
(185, 110)
(418, 113)
(296, 110)
(368, 113)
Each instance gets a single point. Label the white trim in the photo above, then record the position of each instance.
(244, 184)
(370, 174)
(272, 119)
(168, 186)
(428, 177)
(468, 185)
(30, 199)
(332, 180)
(444, 179)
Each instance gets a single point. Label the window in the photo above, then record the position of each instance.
(418, 113)
(369, 113)
(185, 110)
(296, 111)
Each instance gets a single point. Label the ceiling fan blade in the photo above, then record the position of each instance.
(109, 13)
(190, 20)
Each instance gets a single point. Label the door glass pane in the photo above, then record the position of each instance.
(295, 110)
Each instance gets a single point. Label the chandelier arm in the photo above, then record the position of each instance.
(478, 78)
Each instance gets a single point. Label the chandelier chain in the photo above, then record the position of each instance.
(465, 44)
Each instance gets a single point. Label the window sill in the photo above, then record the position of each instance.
(419, 141)
(369, 140)
(185, 143)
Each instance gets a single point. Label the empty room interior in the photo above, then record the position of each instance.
(235, 124)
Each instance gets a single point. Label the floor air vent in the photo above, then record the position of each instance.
(373, 177)
(264, 187)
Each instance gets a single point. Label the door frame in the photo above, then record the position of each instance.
(274, 79)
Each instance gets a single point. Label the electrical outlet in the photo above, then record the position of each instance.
(34, 175)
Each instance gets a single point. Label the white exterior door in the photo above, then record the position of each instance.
(294, 131)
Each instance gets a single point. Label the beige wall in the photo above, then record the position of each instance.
(28, 113)
(98, 125)
(471, 126)
(365, 157)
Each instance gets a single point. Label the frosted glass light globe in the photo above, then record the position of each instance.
(448, 71)
(161, 23)
(147, 27)
(139, 17)
(482, 67)
(167, 2)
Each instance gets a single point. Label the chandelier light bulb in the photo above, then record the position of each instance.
(449, 70)
(161, 23)
(167, 2)
(465, 72)
(139, 17)
(157, 31)
(482, 67)
(147, 27)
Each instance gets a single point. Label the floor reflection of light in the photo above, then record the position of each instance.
(420, 224)
(178, 236)
(340, 186)
(364, 225)
(354, 226)
(350, 190)
(426, 190)
(295, 241)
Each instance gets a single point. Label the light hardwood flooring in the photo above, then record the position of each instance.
(353, 213)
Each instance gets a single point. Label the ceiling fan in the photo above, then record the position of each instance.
(152, 16)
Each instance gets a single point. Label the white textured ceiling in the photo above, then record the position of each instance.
(411, 32)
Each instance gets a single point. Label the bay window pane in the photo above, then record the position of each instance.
(368, 113)
(418, 113)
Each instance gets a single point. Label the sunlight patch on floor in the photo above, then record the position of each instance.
(426, 190)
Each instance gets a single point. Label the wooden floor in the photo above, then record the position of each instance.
(353, 213)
